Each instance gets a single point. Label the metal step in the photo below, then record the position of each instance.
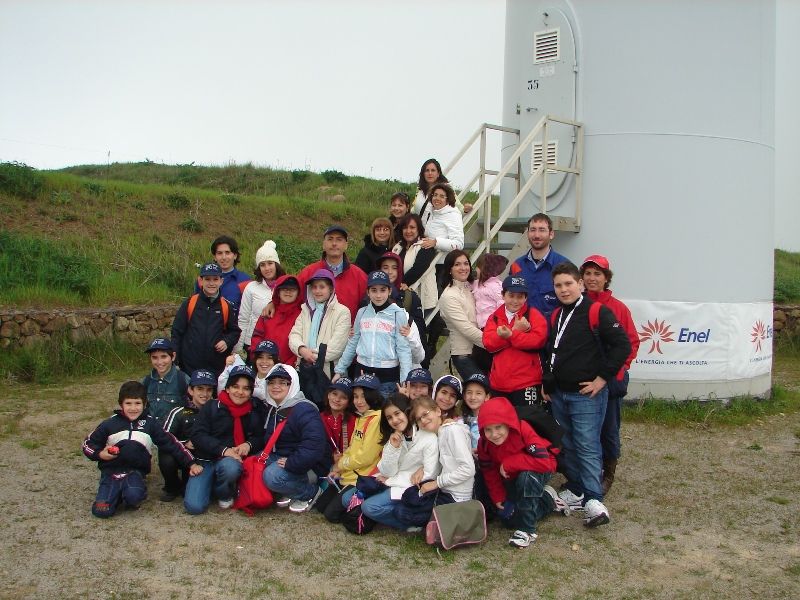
(497, 247)
(520, 224)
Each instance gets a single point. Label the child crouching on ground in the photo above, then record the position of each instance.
(179, 422)
(123, 446)
(516, 465)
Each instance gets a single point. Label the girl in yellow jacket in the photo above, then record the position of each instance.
(364, 452)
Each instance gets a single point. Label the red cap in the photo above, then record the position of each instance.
(599, 260)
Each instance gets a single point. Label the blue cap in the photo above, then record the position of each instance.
(335, 229)
(278, 371)
(203, 377)
(211, 269)
(241, 371)
(343, 384)
(453, 382)
(378, 278)
(368, 381)
(515, 283)
(266, 347)
(161, 344)
(419, 376)
(480, 379)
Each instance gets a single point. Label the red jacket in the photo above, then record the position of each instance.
(335, 431)
(277, 327)
(351, 284)
(516, 363)
(523, 450)
(624, 317)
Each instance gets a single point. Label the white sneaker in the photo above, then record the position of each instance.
(522, 539)
(301, 506)
(596, 513)
(570, 499)
(559, 505)
(225, 504)
(283, 502)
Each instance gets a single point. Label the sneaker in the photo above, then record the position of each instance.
(596, 513)
(167, 497)
(413, 529)
(301, 506)
(283, 502)
(570, 499)
(522, 539)
(559, 505)
(225, 504)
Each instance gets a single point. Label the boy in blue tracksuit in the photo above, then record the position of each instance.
(377, 344)
(166, 384)
(123, 445)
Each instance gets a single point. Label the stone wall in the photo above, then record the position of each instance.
(137, 324)
(140, 324)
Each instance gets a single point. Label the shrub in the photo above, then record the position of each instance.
(231, 199)
(300, 175)
(94, 188)
(192, 225)
(61, 198)
(332, 176)
(177, 201)
(19, 179)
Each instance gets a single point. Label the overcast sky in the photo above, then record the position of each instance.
(365, 87)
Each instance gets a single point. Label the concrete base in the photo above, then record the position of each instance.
(759, 387)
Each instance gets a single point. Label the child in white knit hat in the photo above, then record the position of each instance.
(259, 292)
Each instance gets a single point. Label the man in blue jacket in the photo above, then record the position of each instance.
(536, 266)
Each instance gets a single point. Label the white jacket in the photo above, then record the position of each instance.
(457, 307)
(419, 202)
(455, 456)
(446, 227)
(425, 286)
(255, 297)
(399, 464)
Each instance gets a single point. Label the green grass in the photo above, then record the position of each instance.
(787, 276)
(738, 411)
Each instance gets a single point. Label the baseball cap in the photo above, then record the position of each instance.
(515, 283)
(211, 269)
(335, 229)
(378, 278)
(160, 344)
(419, 376)
(202, 377)
(598, 259)
(368, 381)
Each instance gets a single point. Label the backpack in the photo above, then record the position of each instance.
(544, 424)
(456, 524)
(354, 520)
(223, 304)
(594, 318)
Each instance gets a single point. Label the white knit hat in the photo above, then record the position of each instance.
(267, 252)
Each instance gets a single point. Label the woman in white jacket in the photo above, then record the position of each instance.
(322, 320)
(444, 228)
(258, 293)
(406, 451)
(417, 274)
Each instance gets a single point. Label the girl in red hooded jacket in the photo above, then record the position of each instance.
(516, 464)
(288, 300)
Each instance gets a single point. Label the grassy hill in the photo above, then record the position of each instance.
(132, 233)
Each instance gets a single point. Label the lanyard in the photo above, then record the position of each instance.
(562, 328)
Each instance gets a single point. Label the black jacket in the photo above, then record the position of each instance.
(579, 356)
(180, 421)
(367, 259)
(194, 338)
(213, 429)
(135, 440)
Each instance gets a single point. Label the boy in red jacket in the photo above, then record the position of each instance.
(514, 334)
(516, 464)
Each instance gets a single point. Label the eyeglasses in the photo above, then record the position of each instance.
(424, 416)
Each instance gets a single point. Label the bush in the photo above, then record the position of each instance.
(300, 175)
(787, 276)
(94, 188)
(231, 199)
(333, 176)
(177, 201)
(19, 179)
(192, 225)
(27, 261)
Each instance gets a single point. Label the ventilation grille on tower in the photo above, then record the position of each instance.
(552, 156)
(546, 47)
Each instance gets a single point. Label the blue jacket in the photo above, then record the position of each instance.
(540, 280)
(136, 441)
(377, 342)
(165, 393)
(231, 288)
(303, 441)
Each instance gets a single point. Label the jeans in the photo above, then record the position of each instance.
(286, 483)
(116, 488)
(609, 435)
(221, 476)
(387, 389)
(582, 419)
(380, 508)
(533, 503)
(465, 365)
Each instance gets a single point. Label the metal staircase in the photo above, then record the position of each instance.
(480, 229)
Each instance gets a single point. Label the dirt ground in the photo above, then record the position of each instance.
(696, 512)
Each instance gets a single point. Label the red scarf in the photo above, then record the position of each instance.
(237, 412)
